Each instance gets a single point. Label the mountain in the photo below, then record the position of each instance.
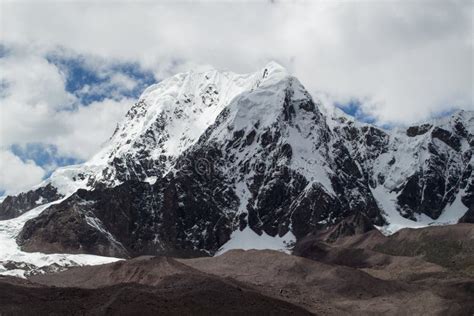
(208, 160)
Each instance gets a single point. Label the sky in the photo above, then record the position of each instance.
(69, 70)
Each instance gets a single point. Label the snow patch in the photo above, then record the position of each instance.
(387, 202)
(248, 239)
(151, 180)
(453, 213)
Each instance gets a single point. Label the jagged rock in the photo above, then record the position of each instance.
(447, 137)
(413, 131)
(13, 206)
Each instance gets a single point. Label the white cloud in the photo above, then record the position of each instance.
(36, 108)
(123, 82)
(115, 87)
(17, 175)
(89, 127)
(35, 92)
(34, 81)
(408, 59)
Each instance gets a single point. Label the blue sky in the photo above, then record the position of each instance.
(3, 50)
(44, 155)
(355, 109)
(80, 74)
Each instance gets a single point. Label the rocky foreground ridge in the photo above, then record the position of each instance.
(347, 269)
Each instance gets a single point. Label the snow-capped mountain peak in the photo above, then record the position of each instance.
(205, 155)
(171, 115)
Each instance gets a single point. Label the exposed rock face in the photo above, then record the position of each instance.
(413, 131)
(447, 170)
(13, 206)
(132, 219)
(69, 227)
(204, 154)
(469, 216)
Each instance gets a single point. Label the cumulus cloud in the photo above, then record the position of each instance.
(17, 175)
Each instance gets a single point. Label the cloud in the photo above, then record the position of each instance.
(43, 124)
(406, 60)
(17, 175)
(34, 92)
(91, 78)
(37, 108)
(89, 127)
(45, 156)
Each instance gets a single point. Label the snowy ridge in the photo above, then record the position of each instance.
(247, 239)
(412, 155)
(262, 110)
(168, 118)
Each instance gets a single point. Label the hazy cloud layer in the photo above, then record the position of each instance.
(404, 61)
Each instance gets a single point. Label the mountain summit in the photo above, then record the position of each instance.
(205, 161)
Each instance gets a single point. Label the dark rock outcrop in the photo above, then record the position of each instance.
(13, 206)
(447, 137)
(469, 216)
(178, 215)
(413, 131)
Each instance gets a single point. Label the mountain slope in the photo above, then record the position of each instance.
(202, 156)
